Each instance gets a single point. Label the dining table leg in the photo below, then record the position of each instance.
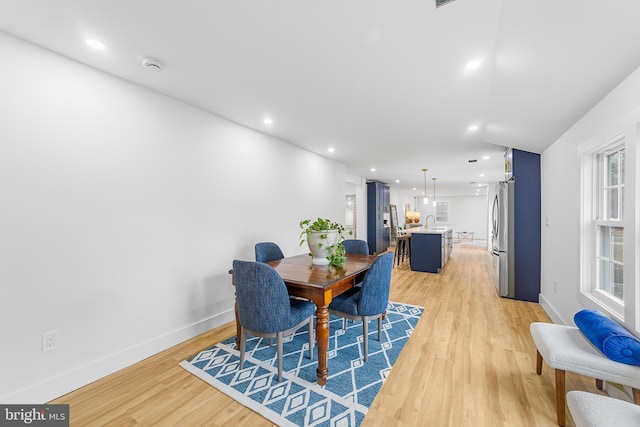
(235, 310)
(322, 341)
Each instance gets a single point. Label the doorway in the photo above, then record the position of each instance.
(350, 216)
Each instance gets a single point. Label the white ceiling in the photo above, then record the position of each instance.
(383, 82)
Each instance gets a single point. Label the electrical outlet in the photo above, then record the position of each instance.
(49, 341)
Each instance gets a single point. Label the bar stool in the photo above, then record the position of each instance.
(403, 249)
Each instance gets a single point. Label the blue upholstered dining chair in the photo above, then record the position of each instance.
(268, 251)
(265, 309)
(368, 301)
(355, 246)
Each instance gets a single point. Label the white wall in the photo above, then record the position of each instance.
(122, 211)
(560, 169)
(466, 213)
(400, 199)
(469, 213)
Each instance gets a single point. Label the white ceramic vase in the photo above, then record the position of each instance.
(326, 239)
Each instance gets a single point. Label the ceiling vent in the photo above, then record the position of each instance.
(151, 64)
(442, 2)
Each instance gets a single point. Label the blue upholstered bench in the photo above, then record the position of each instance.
(565, 348)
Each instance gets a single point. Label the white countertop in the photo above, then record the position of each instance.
(430, 230)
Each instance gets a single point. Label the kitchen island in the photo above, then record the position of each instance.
(430, 248)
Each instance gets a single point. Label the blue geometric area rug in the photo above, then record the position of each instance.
(298, 400)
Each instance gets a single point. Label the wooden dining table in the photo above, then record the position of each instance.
(319, 284)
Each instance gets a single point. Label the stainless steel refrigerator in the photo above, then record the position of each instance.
(502, 238)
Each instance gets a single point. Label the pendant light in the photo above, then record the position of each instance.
(426, 199)
(434, 191)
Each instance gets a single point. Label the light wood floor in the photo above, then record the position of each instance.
(470, 362)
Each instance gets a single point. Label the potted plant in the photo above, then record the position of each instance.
(324, 238)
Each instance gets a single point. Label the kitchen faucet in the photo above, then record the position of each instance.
(426, 220)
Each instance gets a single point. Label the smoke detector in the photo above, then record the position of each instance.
(151, 64)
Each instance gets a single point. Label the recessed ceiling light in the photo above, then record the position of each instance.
(95, 44)
(268, 121)
(332, 150)
(473, 65)
(481, 174)
(397, 181)
(473, 128)
(373, 169)
(486, 158)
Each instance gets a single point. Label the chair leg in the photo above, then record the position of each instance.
(560, 399)
(396, 254)
(311, 338)
(344, 323)
(243, 344)
(380, 328)
(538, 363)
(279, 336)
(365, 336)
(405, 250)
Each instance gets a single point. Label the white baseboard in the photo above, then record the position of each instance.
(551, 311)
(66, 382)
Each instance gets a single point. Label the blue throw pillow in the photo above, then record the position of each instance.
(613, 340)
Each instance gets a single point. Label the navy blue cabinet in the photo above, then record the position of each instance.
(524, 169)
(378, 204)
(430, 251)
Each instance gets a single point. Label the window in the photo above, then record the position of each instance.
(609, 230)
(602, 257)
(442, 211)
